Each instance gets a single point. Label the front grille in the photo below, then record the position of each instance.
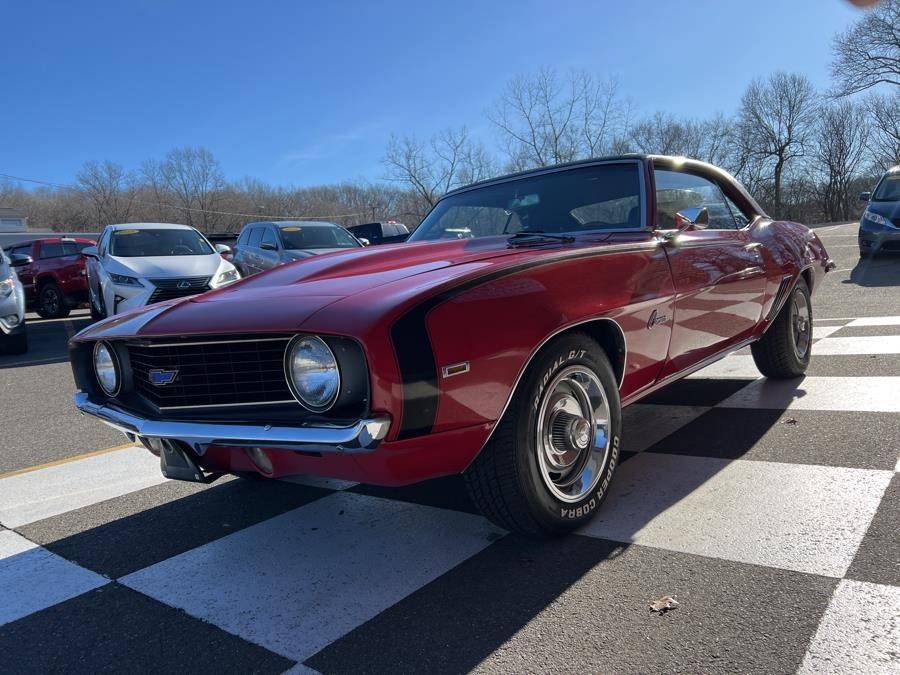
(167, 289)
(223, 372)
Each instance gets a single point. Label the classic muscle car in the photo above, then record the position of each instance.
(500, 342)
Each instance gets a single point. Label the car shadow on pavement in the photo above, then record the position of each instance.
(454, 622)
(882, 270)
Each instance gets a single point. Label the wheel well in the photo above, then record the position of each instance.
(611, 338)
(808, 278)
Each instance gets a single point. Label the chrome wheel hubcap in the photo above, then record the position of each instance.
(801, 325)
(573, 436)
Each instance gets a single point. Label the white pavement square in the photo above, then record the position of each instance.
(869, 344)
(798, 517)
(32, 578)
(734, 366)
(28, 497)
(876, 321)
(860, 632)
(873, 394)
(820, 332)
(299, 581)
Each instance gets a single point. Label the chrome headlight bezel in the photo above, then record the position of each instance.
(330, 360)
(116, 368)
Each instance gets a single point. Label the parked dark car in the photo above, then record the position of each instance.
(879, 227)
(264, 245)
(389, 232)
(55, 281)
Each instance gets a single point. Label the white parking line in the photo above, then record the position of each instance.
(869, 344)
(875, 321)
(35, 495)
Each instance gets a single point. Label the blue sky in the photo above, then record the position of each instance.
(302, 93)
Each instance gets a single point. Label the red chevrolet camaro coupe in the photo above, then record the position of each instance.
(501, 341)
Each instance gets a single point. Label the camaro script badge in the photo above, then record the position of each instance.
(160, 377)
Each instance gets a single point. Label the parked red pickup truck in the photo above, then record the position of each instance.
(55, 281)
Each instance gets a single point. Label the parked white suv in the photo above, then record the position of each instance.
(141, 263)
(13, 339)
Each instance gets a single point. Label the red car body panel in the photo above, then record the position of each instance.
(675, 304)
(67, 271)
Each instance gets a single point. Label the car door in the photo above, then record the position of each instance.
(252, 256)
(269, 249)
(717, 268)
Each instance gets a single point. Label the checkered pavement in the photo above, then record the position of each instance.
(769, 509)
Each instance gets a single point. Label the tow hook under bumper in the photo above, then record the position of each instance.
(177, 463)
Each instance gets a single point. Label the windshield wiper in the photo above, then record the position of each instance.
(535, 237)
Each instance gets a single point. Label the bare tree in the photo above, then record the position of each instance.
(884, 140)
(448, 160)
(110, 190)
(189, 181)
(868, 53)
(776, 119)
(840, 148)
(544, 119)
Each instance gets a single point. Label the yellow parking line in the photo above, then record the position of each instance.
(66, 460)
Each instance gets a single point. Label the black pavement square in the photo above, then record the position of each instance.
(878, 557)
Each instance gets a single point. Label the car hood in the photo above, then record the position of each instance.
(282, 298)
(165, 267)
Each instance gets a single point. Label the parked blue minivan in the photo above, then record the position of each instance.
(879, 227)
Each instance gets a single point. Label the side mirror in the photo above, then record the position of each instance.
(364, 241)
(223, 248)
(692, 218)
(19, 259)
(865, 196)
(266, 246)
(90, 252)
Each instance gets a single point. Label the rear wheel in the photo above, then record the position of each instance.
(548, 466)
(51, 302)
(785, 349)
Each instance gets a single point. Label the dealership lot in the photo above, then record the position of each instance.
(768, 509)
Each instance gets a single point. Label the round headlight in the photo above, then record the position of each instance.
(312, 372)
(106, 367)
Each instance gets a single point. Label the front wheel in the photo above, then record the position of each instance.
(785, 349)
(51, 302)
(548, 465)
(96, 314)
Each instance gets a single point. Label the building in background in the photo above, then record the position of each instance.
(12, 220)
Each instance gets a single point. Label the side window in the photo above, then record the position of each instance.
(54, 250)
(676, 191)
(255, 236)
(73, 247)
(740, 218)
(245, 237)
(269, 237)
(101, 245)
(24, 250)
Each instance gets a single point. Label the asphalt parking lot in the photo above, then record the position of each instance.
(769, 510)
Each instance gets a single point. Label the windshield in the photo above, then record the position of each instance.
(888, 189)
(140, 243)
(298, 237)
(600, 197)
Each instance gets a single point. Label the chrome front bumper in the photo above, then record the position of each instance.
(363, 436)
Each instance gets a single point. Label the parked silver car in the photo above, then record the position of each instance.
(13, 338)
(264, 245)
